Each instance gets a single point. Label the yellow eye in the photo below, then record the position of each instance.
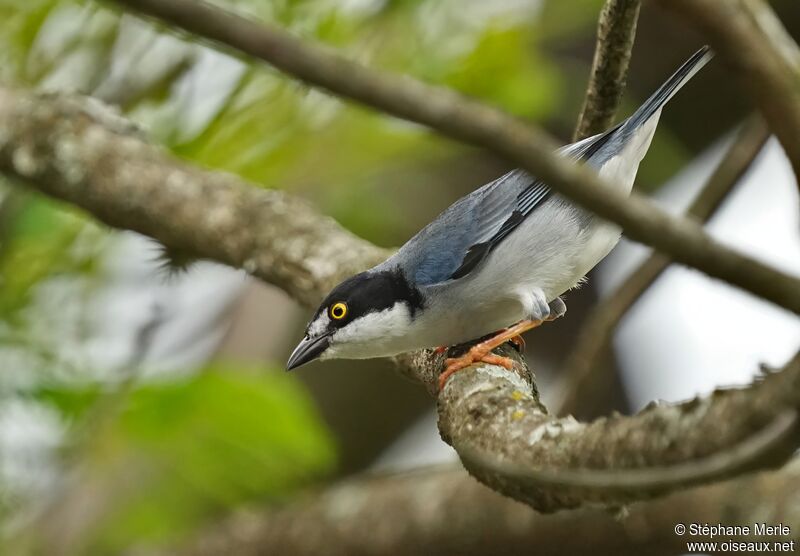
(338, 310)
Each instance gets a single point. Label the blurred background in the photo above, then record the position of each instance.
(139, 404)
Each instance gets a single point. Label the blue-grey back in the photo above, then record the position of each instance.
(461, 237)
(437, 251)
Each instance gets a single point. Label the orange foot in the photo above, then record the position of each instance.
(482, 352)
(518, 341)
(474, 355)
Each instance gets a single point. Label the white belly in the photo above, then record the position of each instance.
(548, 254)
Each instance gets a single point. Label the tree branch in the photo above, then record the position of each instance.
(443, 512)
(504, 433)
(578, 374)
(475, 123)
(72, 149)
(80, 151)
(616, 31)
(763, 55)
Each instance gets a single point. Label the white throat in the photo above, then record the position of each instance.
(377, 334)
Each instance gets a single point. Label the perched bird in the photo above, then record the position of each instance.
(494, 262)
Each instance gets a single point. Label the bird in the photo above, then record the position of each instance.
(491, 266)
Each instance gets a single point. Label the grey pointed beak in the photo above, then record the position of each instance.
(308, 350)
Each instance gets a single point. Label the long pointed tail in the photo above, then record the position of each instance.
(669, 88)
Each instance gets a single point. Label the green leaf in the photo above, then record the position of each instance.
(182, 452)
(36, 248)
(505, 70)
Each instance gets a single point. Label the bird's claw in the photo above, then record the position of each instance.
(475, 355)
(483, 351)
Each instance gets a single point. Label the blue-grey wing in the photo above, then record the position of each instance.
(463, 235)
(433, 255)
(455, 243)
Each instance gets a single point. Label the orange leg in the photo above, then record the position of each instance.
(483, 351)
(440, 350)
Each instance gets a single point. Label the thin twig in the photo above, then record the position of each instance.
(478, 124)
(616, 31)
(581, 369)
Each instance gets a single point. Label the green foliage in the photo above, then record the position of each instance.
(521, 82)
(275, 131)
(38, 236)
(181, 452)
(559, 18)
(73, 402)
(22, 20)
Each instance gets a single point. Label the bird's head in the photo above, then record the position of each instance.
(367, 315)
